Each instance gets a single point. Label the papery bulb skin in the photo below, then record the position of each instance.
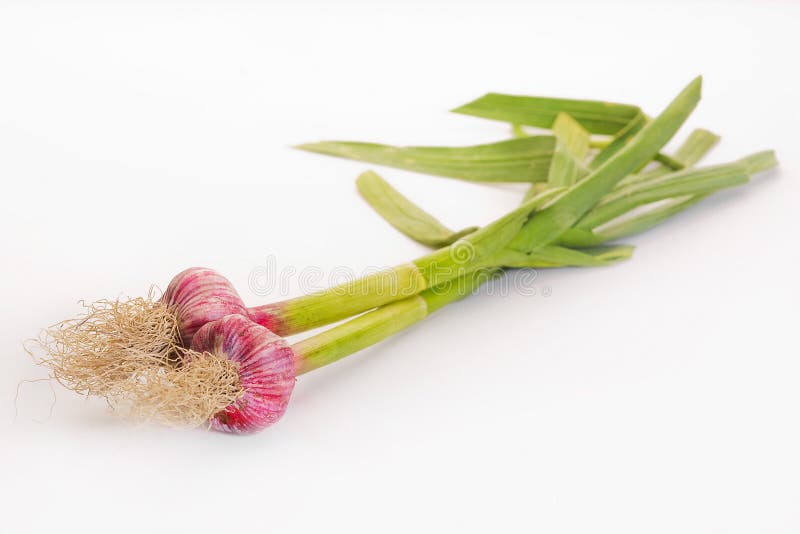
(266, 369)
(199, 296)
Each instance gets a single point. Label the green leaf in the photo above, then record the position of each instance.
(557, 256)
(621, 139)
(518, 131)
(419, 225)
(597, 117)
(571, 135)
(475, 250)
(572, 146)
(533, 190)
(543, 194)
(621, 228)
(668, 162)
(404, 215)
(759, 162)
(624, 226)
(577, 237)
(627, 226)
(547, 225)
(697, 145)
(517, 160)
(687, 182)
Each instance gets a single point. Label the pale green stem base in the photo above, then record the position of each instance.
(375, 326)
(339, 302)
(345, 300)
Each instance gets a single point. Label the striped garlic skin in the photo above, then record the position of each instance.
(199, 296)
(267, 371)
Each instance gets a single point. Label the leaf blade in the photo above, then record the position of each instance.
(687, 182)
(558, 256)
(622, 226)
(621, 139)
(691, 151)
(516, 160)
(405, 216)
(596, 116)
(548, 224)
(572, 146)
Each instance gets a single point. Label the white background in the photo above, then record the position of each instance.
(660, 395)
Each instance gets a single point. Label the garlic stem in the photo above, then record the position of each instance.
(376, 325)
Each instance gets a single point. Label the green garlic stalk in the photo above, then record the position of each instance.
(522, 230)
